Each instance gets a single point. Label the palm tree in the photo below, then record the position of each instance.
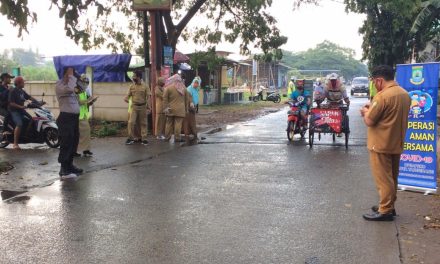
(430, 12)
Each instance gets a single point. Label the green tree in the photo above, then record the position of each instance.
(325, 56)
(426, 27)
(230, 20)
(25, 57)
(386, 31)
(45, 72)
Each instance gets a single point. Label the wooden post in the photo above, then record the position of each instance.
(153, 70)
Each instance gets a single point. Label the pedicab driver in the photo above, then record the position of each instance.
(302, 99)
(335, 92)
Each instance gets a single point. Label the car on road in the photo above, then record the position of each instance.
(360, 87)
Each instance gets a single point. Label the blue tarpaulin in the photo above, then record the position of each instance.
(106, 68)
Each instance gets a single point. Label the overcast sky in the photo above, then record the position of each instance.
(305, 28)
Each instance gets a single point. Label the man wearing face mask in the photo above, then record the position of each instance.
(386, 119)
(139, 93)
(335, 91)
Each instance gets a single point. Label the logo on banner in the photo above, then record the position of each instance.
(421, 103)
(417, 75)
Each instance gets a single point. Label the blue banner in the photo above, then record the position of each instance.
(418, 162)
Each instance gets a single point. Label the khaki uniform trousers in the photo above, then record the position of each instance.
(189, 124)
(173, 125)
(84, 135)
(138, 118)
(160, 124)
(385, 169)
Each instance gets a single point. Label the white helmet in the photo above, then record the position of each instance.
(333, 76)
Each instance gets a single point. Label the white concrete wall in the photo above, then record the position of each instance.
(110, 106)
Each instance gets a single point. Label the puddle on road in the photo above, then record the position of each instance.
(312, 260)
(9, 194)
(19, 199)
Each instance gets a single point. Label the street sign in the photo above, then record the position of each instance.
(146, 5)
(168, 55)
(254, 67)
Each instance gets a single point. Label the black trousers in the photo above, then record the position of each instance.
(68, 131)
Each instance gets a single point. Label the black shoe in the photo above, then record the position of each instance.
(144, 142)
(87, 153)
(76, 170)
(67, 174)
(129, 142)
(76, 155)
(378, 217)
(375, 209)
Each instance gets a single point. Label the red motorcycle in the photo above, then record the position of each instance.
(295, 121)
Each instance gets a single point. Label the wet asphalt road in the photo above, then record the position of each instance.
(246, 196)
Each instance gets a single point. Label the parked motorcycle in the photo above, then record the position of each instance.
(38, 129)
(273, 97)
(294, 120)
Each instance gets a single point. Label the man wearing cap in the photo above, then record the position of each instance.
(139, 92)
(17, 98)
(4, 97)
(335, 91)
(386, 119)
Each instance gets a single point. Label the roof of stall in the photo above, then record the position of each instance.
(106, 68)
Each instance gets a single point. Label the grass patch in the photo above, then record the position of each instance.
(106, 129)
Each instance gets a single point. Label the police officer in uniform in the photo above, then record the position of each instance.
(139, 92)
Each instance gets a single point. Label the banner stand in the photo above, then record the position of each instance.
(426, 191)
(418, 162)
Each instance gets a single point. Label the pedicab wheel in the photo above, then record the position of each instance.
(302, 133)
(3, 142)
(290, 130)
(319, 136)
(311, 136)
(334, 137)
(347, 134)
(51, 137)
(3, 139)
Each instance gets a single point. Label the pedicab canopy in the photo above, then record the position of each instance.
(106, 68)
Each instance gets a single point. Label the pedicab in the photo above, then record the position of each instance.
(330, 118)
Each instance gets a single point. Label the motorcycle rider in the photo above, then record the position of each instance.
(17, 98)
(302, 99)
(4, 96)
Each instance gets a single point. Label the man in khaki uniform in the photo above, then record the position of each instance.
(387, 120)
(139, 93)
(175, 100)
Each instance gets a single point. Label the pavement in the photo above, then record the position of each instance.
(246, 195)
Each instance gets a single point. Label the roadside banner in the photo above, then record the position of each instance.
(326, 120)
(418, 162)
